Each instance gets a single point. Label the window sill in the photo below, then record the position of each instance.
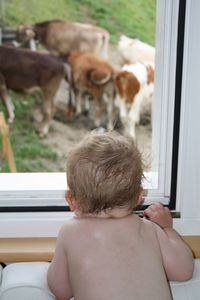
(26, 249)
(42, 249)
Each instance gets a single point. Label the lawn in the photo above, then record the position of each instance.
(134, 18)
(31, 155)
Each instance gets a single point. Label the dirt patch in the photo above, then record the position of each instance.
(63, 137)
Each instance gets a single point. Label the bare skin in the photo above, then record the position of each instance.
(118, 255)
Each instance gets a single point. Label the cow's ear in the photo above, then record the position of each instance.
(30, 33)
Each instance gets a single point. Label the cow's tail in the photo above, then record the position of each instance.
(99, 77)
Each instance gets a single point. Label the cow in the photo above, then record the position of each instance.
(135, 88)
(92, 76)
(133, 50)
(23, 70)
(59, 37)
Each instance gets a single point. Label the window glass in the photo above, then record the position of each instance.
(40, 162)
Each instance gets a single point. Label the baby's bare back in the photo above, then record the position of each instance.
(115, 259)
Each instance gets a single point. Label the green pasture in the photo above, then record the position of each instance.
(135, 18)
(31, 155)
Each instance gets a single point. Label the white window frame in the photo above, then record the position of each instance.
(32, 187)
(49, 187)
(188, 199)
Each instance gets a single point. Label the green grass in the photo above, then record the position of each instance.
(134, 18)
(31, 11)
(31, 154)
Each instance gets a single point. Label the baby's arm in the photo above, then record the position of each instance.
(57, 276)
(177, 257)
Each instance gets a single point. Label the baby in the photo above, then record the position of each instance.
(106, 251)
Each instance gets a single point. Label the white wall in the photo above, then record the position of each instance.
(188, 197)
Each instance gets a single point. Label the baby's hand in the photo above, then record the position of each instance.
(159, 214)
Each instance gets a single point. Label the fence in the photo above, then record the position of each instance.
(7, 35)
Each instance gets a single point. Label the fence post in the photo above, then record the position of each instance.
(6, 146)
(0, 36)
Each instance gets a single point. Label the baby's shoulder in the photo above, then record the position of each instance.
(148, 226)
(67, 226)
(72, 225)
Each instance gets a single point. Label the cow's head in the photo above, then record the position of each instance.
(24, 33)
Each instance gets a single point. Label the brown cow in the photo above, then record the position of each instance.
(91, 75)
(25, 71)
(60, 37)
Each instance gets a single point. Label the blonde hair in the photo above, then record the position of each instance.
(105, 171)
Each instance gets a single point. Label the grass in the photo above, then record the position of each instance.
(31, 11)
(134, 18)
(29, 151)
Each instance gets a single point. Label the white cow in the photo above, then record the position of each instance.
(133, 50)
(135, 88)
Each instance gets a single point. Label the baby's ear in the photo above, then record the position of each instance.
(71, 200)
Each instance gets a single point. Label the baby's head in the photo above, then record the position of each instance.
(104, 172)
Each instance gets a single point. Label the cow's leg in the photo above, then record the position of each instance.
(86, 104)
(110, 111)
(134, 114)
(82, 103)
(4, 94)
(130, 126)
(136, 107)
(126, 117)
(47, 115)
(123, 113)
(97, 95)
(78, 102)
(49, 93)
(98, 111)
(71, 104)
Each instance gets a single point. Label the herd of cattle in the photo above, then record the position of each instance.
(78, 53)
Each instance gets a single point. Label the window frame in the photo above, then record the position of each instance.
(34, 185)
(47, 224)
(188, 179)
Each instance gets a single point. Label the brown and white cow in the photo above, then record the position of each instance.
(59, 37)
(24, 71)
(135, 88)
(93, 76)
(134, 50)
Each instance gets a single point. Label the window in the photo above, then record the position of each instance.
(46, 190)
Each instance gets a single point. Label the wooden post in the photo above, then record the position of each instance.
(6, 146)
